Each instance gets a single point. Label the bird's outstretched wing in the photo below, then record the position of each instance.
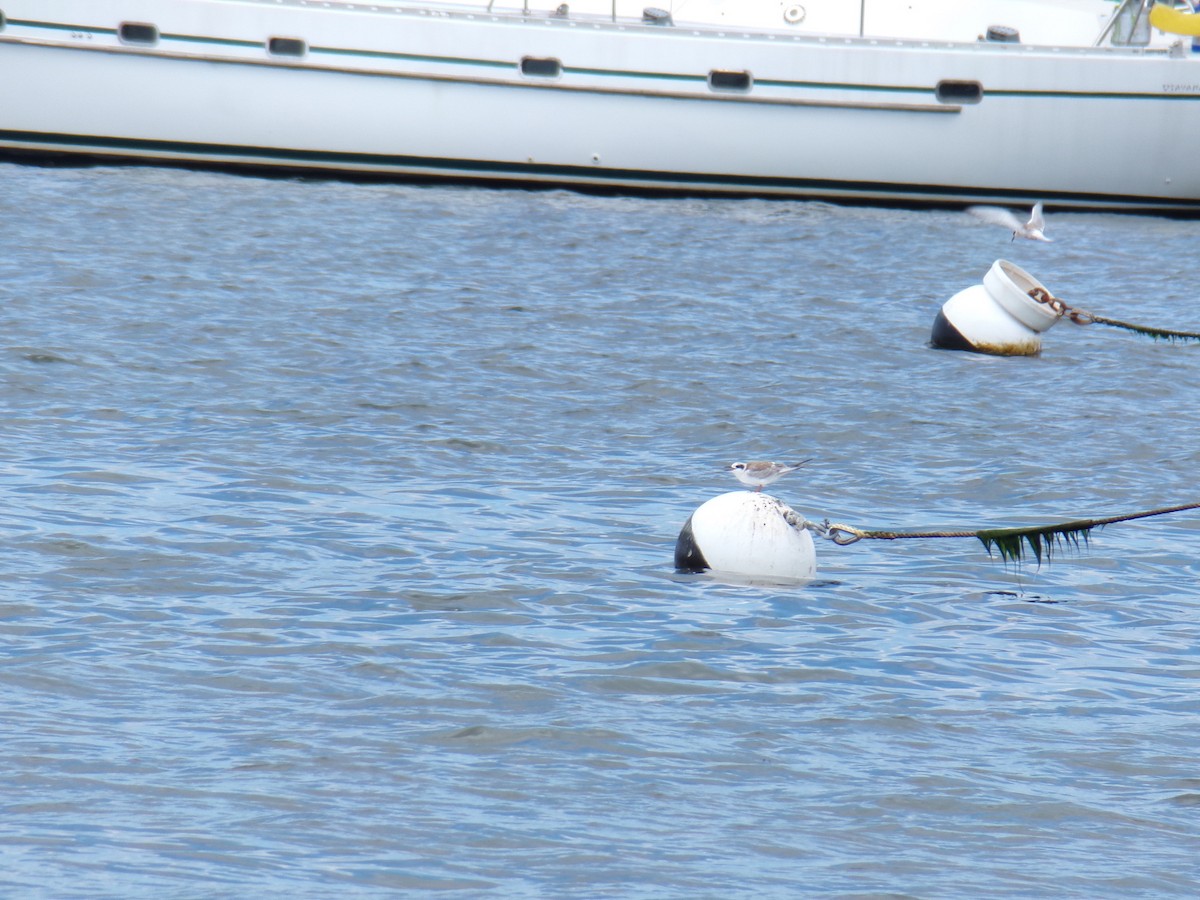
(1037, 220)
(996, 215)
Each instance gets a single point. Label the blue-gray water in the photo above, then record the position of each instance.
(338, 524)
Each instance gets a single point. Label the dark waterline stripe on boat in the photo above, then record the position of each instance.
(330, 163)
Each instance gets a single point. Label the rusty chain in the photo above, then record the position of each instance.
(1083, 317)
(1060, 308)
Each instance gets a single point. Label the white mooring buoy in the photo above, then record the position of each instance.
(747, 533)
(998, 317)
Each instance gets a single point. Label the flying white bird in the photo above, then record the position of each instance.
(997, 215)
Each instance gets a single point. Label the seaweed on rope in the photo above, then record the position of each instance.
(1042, 541)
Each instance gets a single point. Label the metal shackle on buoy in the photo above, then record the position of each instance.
(999, 317)
(749, 534)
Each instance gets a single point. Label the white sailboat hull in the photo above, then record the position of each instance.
(402, 92)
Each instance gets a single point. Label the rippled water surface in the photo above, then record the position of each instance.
(338, 525)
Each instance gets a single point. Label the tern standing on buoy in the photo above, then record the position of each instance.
(759, 473)
(996, 215)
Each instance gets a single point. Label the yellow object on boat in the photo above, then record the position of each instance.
(1167, 18)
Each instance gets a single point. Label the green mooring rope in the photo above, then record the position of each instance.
(1164, 334)
(1009, 543)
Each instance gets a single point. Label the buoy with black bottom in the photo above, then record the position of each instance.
(998, 317)
(747, 533)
